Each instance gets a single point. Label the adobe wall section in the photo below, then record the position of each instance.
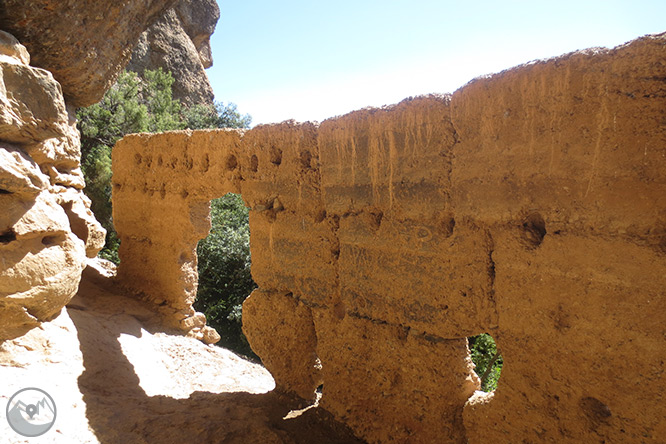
(530, 204)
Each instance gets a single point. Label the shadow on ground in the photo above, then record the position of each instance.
(119, 411)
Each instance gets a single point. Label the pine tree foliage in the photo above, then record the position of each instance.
(487, 359)
(145, 104)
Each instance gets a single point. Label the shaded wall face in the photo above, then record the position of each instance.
(531, 205)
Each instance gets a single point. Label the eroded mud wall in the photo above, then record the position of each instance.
(530, 204)
(566, 162)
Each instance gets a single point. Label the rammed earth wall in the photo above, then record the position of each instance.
(530, 204)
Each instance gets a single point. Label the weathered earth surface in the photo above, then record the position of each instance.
(530, 204)
(46, 227)
(116, 378)
(83, 43)
(179, 42)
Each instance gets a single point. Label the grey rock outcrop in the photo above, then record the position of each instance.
(179, 43)
(83, 43)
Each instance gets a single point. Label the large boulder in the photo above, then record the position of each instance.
(84, 43)
(179, 42)
(46, 228)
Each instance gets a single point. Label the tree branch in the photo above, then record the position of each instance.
(489, 367)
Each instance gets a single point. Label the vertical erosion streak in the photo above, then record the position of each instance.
(374, 148)
(603, 121)
(393, 158)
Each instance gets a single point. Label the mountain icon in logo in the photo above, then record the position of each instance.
(31, 412)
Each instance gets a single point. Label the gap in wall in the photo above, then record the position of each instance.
(224, 265)
(488, 360)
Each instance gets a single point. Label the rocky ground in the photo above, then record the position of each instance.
(116, 378)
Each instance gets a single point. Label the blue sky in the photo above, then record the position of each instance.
(310, 60)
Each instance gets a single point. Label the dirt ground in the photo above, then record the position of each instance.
(116, 378)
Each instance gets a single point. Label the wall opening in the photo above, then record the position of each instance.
(487, 360)
(224, 265)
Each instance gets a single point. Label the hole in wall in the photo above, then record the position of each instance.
(306, 160)
(5, 191)
(276, 156)
(52, 240)
(320, 216)
(446, 225)
(339, 310)
(374, 218)
(232, 163)
(224, 265)
(254, 163)
(534, 230)
(296, 413)
(314, 401)
(205, 164)
(7, 237)
(488, 360)
(595, 411)
(184, 258)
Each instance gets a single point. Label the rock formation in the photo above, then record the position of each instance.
(179, 42)
(83, 43)
(529, 204)
(46, 227)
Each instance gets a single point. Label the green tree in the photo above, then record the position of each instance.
(164, 112)
(487, 359)
(131, 105)
(145, 104)
(218, 115)
(136, 104)
(224, 271)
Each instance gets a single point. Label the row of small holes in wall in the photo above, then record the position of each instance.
(275, 157)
